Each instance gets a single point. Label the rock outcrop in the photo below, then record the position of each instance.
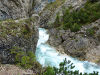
(48, 15)
(82, 44)
(39, 5)
(17, 33)
(15, 9)
(19, 29)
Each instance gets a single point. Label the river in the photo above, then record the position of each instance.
(48, 56)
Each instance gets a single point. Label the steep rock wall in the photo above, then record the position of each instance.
(15, 9)
(79, 44)
(21, 34)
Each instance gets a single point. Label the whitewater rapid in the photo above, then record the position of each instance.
(48, 56)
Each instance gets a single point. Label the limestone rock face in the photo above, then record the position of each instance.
(39, 5)
(21, 34)
(15, 9)
(48, 15)
(79, 44)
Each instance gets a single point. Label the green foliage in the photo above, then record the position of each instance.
(73, 20)
(57, 22)
(49, 71)
(65, 69)
(75, 27)
(23, 59)
(25, 62)
(90, 32)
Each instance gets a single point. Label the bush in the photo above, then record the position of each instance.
(49, 71)
(57, 22)
(65, 69)
(90, 32)
(73, 20)
(23, 59)
(75, 27)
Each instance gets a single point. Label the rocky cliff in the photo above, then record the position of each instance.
(84, 44)
(15, 9)
(80, 44)
(17, 33)
(22, 32)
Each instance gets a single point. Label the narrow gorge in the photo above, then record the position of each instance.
(48, 56)
(38, 37)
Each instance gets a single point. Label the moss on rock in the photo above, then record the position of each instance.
(16, 28)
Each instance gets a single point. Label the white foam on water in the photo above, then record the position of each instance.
(48, 56)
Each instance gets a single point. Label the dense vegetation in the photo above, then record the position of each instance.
(74, 20)
(24, 59)
(63, 70)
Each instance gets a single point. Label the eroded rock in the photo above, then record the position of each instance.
(15, 9)
(79, 44)
(21, 33)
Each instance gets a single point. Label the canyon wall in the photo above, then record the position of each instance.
(15, 9)
(19, 29)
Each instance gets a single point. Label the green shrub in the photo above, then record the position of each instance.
(25, 62)
(57, 22)
(49, 71)
(73, 20)
(65, 70)
(23, 59)
(75, 27)
(90, 32)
